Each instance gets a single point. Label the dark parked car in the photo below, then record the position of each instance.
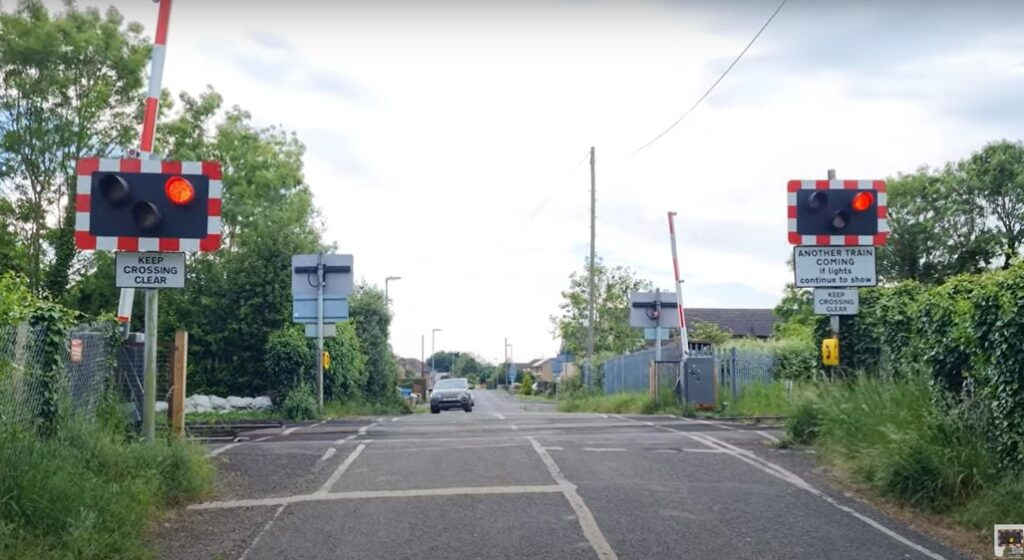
(451, 393)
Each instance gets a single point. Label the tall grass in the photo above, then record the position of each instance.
(90, 491)
(360, 407)
(909, 443)
(771, 399)
(620, 403)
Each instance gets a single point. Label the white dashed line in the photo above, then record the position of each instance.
(604, 449)
(514, 427)
(328, 454)
(372, 494)
(552, 448)
(289, 431)
(767, 435)
(264, 438)
(220, 450)
(499, 416)
(345, 439)
(395, 419)
(341, 469)
(362, 431)
(583, 513)
(260, 534)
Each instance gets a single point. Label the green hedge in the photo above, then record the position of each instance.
(967, 335)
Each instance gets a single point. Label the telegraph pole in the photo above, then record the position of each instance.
(593, 257)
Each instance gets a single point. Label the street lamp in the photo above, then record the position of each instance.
(432, 352)
(386, 281)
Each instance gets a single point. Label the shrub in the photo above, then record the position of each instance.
(526, 388)
(299, 404)
(805, 422)
(963, 335)
(289, 354)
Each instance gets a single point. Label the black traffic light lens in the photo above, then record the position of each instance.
(147, 216)
(817, 200)
(115, 189)
(840, 219)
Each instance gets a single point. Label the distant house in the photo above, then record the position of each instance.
(757, 323)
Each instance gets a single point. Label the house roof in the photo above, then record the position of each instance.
(742, 322)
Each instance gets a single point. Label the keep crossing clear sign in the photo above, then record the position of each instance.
(835, 301)
(150, 270)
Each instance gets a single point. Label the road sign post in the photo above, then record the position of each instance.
(323, 303)
(150, 212)
(836, 226)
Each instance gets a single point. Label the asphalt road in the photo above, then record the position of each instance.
(504, 482)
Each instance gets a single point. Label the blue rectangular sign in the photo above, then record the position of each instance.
(335, 309)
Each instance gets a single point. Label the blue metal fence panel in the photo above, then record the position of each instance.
(736, 369)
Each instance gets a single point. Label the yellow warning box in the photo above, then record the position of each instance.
(830, 351)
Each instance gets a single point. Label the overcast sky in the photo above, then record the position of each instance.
(446, 140)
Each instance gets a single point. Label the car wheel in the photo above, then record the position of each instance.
(435, 410)
(468, 408)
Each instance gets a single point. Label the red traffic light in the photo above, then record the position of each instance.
(179, 190)
(862, 201)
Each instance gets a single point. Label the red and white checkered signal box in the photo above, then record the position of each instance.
(148, 205)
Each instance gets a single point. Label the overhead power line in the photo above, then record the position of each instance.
(720, 78)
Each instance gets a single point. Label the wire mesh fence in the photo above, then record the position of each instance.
(83, 364)
(740, 368)
(736, 368)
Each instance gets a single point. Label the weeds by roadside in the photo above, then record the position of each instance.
(90, 491)
(902, 440)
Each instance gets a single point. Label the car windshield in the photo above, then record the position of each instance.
(451, 384)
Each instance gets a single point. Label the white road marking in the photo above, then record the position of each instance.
(514, 427)
(604, 416)
(380, 449)
(499, 415)
(222, 449)
(708, 422)
(328, 454)
(341, 469)
(289, 431)
(373, 494)
(362, 431)
(345, 439)
(694, 450)
(583, 513)
(604, 449)
(767, 435)
(264, 438)
(552, 448)
(260, 534)
(395, 419)
(781, 473)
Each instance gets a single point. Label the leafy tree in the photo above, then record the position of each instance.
(997, 174)
(612, 333)
(235, 298)
(796, 314)
(710, 332)
(70, 86)
(939, 227)
(371, 318)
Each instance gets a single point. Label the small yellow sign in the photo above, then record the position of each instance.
(327, 359)
(830, 351)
